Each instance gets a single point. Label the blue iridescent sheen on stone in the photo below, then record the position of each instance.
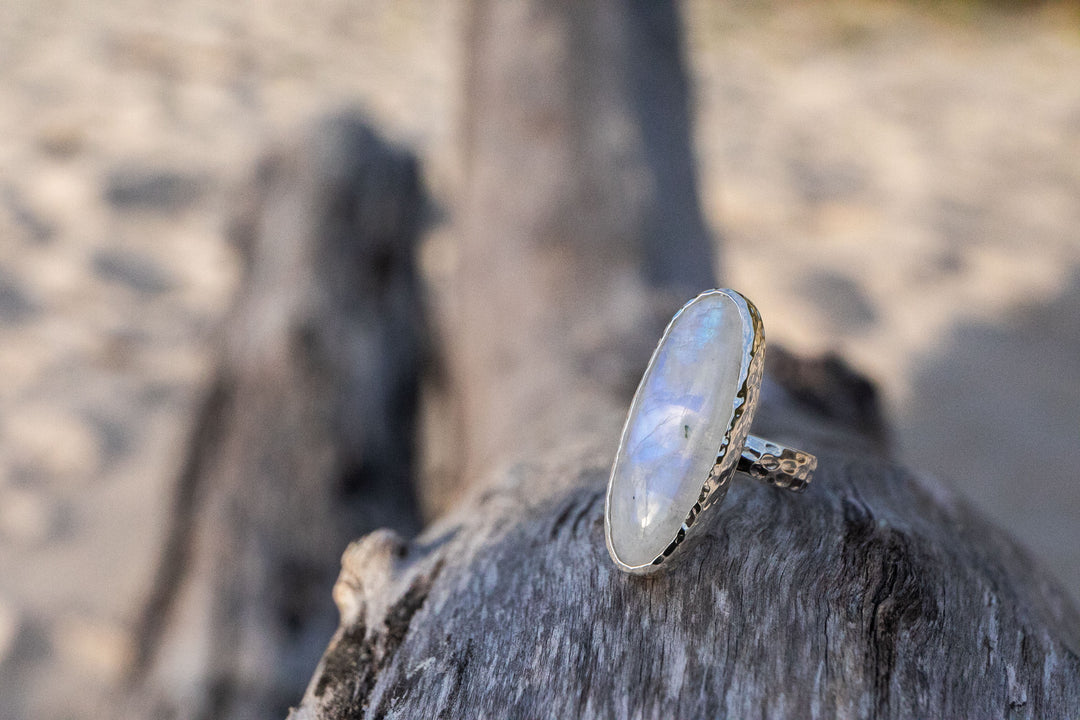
(677, 421)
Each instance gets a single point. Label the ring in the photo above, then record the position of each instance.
(690, 420)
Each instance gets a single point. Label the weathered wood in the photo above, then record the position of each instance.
(305, 439)
(875, 594)
(579, 220)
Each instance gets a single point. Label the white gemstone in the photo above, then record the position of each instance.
(676, 424)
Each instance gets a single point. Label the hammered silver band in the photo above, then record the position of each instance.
(776, 464)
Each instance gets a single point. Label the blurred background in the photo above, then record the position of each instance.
(896, 182)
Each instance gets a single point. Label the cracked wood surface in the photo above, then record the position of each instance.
(874, 594)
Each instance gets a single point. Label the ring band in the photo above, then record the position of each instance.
(687, 432)
(776, 464)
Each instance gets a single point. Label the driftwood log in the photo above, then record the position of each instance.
(875, 594)
(305, 438)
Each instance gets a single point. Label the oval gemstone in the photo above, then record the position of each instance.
(676, 424)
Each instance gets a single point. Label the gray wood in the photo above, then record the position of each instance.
(578, 222)
(875, 594)
(305, 439)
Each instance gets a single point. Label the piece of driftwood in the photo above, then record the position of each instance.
(305, 439)
(875, 594)
(579, 220)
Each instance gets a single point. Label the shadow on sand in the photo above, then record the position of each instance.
(996, 415)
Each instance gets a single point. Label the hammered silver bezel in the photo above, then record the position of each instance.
(714, 489)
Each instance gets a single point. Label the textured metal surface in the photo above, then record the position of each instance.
(776, 464)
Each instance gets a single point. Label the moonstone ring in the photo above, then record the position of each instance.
(687, 432)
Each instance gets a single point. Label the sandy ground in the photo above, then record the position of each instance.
(899, 186)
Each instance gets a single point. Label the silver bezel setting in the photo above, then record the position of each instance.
(715, 487)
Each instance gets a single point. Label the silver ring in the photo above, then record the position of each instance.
(690, 419)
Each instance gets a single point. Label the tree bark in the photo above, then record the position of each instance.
(875, 594)
(305, 439)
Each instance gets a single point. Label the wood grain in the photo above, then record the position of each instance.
(874, 594)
